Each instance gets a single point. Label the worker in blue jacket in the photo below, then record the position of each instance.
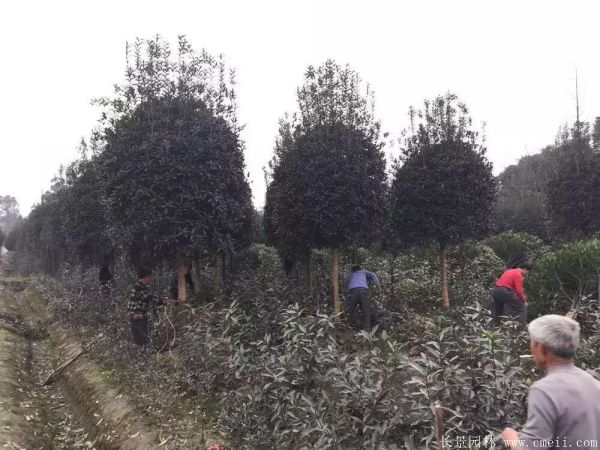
(358, 285)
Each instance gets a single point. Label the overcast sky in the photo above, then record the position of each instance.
(513, 63)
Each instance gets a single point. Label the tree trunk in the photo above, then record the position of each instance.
(224, 272)
(444, 278)
(438, 414)
(599, 288)
(218, 275)
(335, 257)
(181, 287)
(308, 276)
(392, 278)
(198, 275)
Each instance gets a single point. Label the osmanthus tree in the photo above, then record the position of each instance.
(84, 212)
(43, 236)
(328, 174)
(573, 187)
(443, 190)
(172, 163)
(281, 215)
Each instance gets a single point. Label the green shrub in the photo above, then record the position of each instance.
(563, 278)
(472, 268)
(515, 248)
(260, 257)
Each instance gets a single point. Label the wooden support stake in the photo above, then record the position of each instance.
(335, 253)
(181, 287)
(438, 414)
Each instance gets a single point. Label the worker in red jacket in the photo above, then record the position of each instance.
(508, 296)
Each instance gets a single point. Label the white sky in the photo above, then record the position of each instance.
(512, 62)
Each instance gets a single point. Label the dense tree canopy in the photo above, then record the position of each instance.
(444, 193)
(521, 196)
(172, 161)
(443, 190)
(44, 236)
(596, 134)
(327, 184)
(84, 211)
(573, 187)
(327, 179)
(163, 178)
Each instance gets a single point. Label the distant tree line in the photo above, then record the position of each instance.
(161, 180)
(555, 194)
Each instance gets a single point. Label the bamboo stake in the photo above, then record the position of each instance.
(335, 253)
(438, 414)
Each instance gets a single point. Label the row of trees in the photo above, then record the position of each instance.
(162, 178)
(555, 194)
(328, 186)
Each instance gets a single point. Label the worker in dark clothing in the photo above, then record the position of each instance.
(139, 306)
(508, 296)
(358, 285)
(106, 280)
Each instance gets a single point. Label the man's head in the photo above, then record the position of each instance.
(554, 339)
(144, 274)
(525, 268)
(356, 267)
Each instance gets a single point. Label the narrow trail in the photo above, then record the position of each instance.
(93, 404)
(33, 416)
(64, 425)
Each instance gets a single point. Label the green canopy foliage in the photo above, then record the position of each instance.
(172, 162)
(563, 278)
(327, 179)
(443, 190)
(516, 248)
(573, 187)
(84, 211)
(521, 203)
(164, 176)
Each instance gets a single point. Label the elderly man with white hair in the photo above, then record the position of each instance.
(563, 407)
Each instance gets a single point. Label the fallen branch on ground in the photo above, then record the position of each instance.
(57, 372)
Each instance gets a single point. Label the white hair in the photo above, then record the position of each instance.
(559, 334)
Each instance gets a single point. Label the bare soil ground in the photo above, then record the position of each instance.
(93, 404)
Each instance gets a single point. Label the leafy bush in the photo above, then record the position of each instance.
(302, 389)
(261, 258)
(472, 267)
(516, 248)
(278, 375)
(564, 277)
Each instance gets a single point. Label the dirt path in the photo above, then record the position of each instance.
(79, 411)
(64, 426)
(98, 403)
(32, 416)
